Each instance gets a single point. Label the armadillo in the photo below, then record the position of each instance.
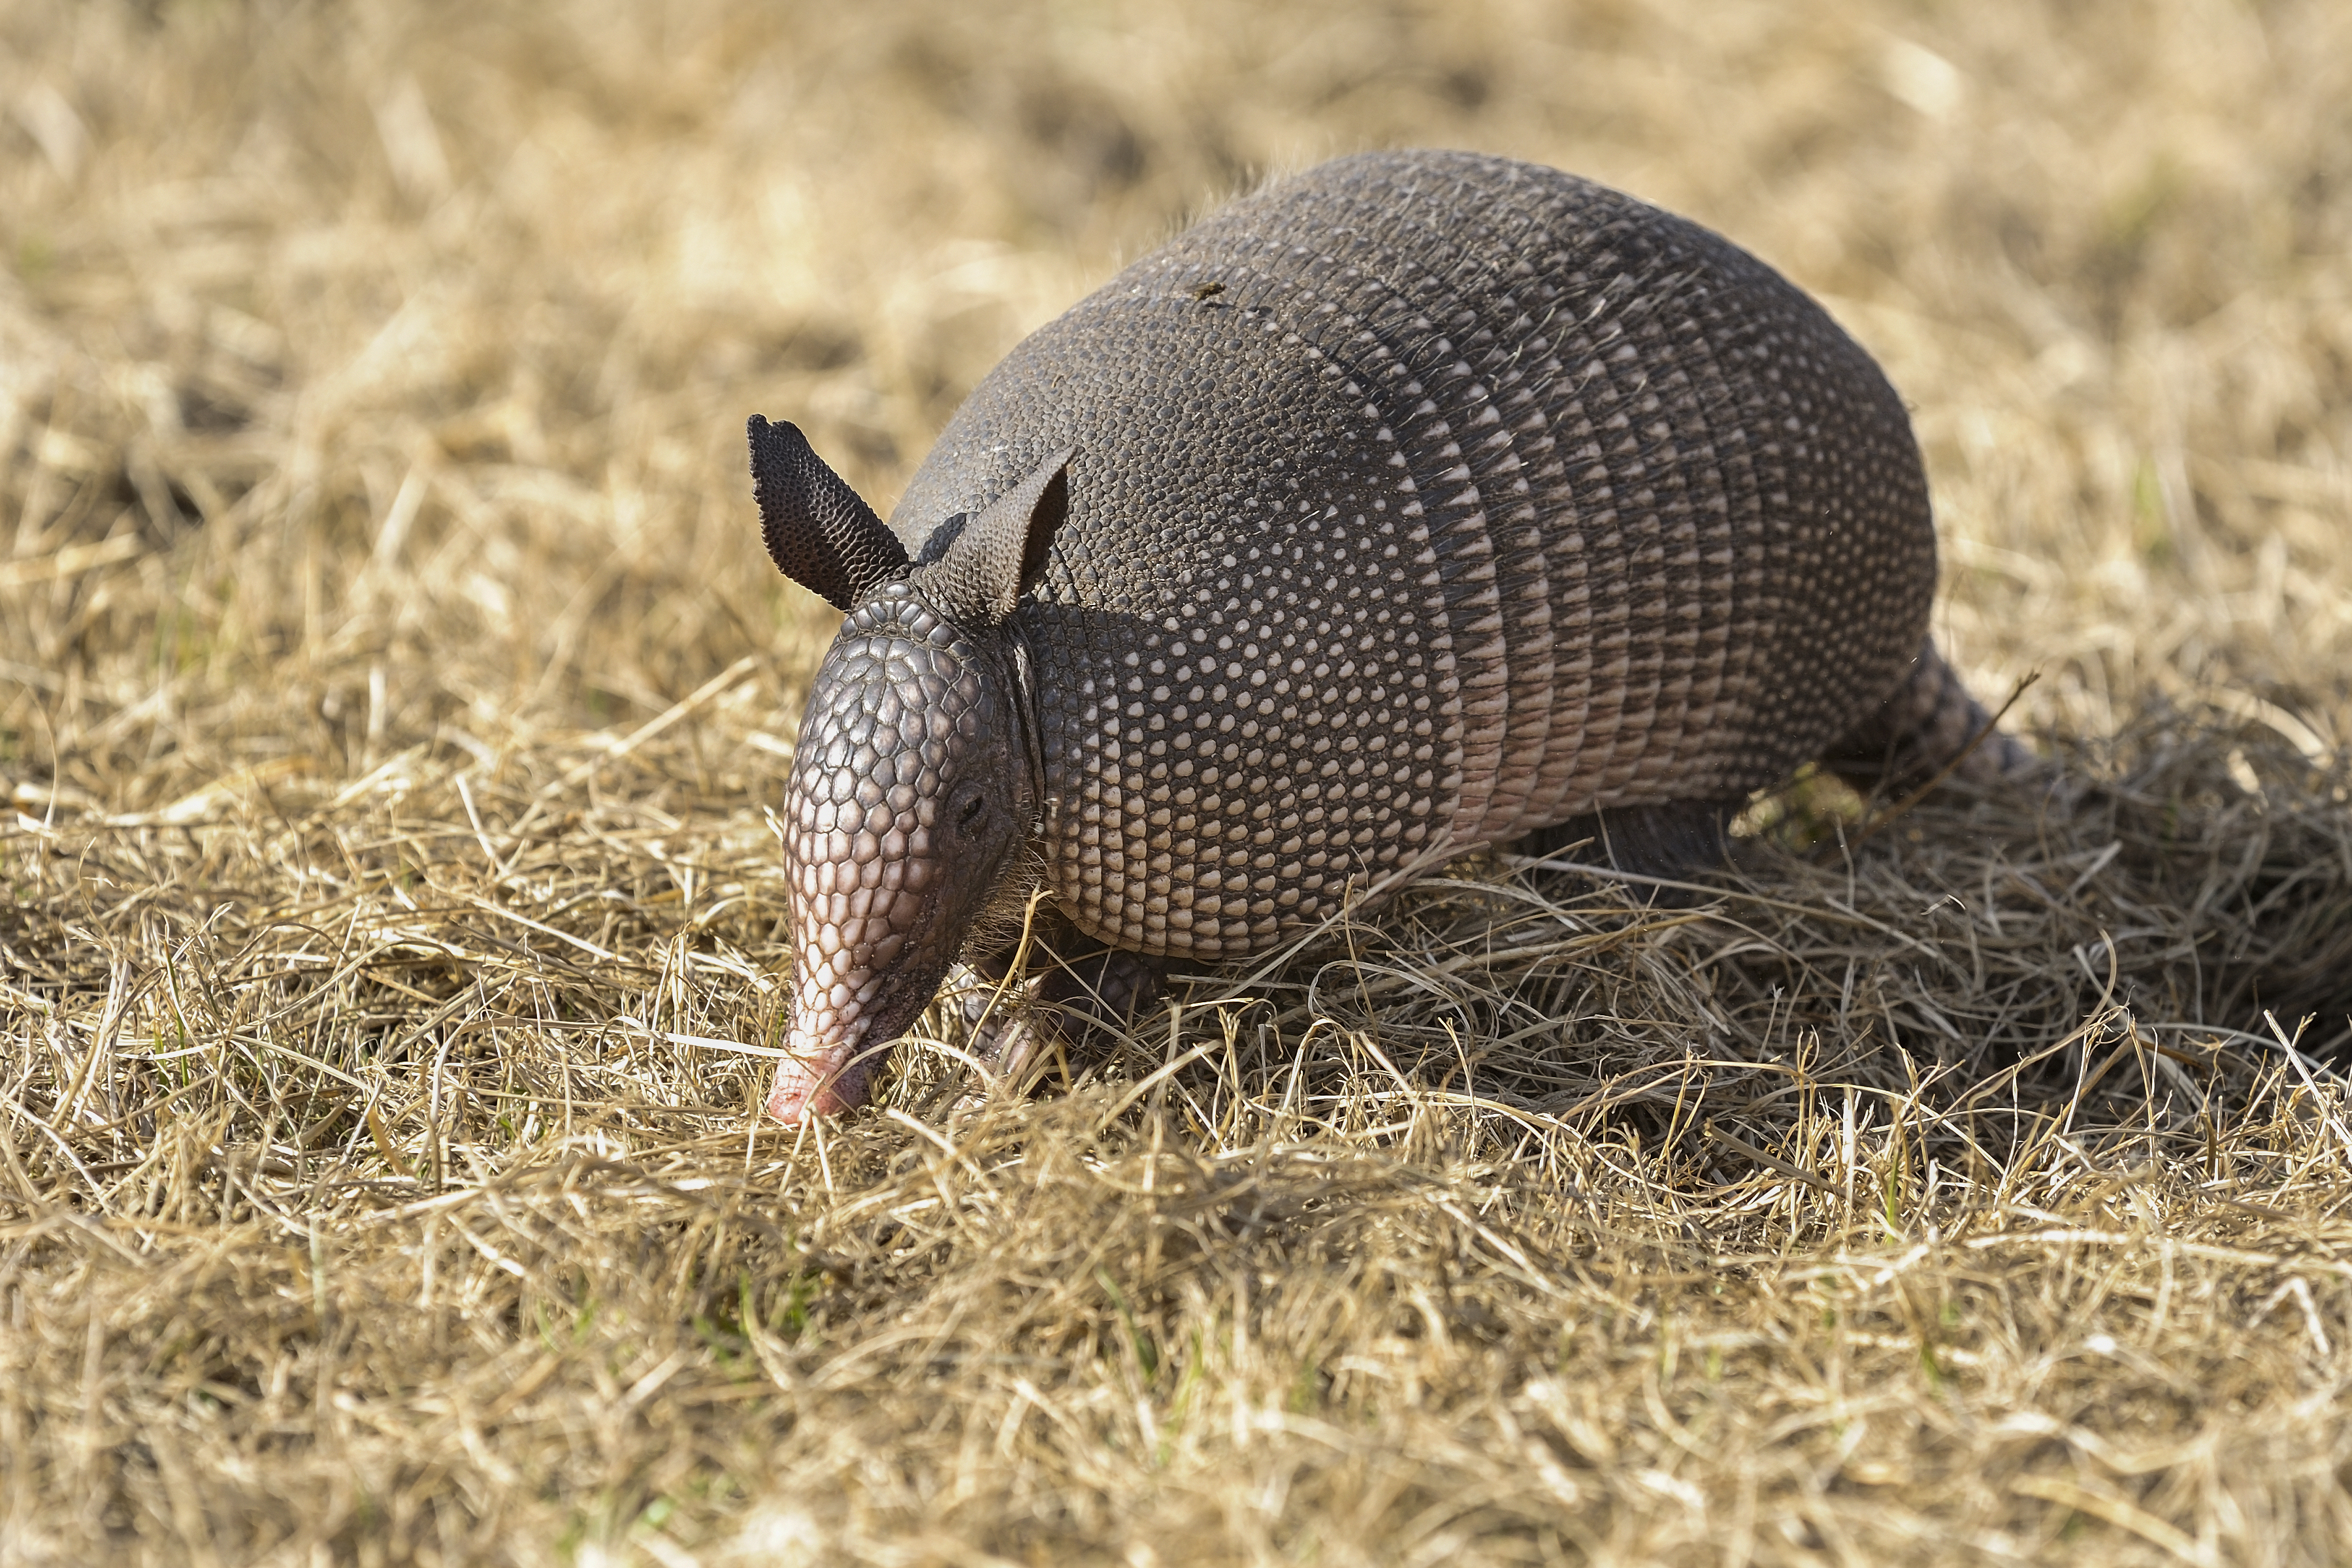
(1421, 501)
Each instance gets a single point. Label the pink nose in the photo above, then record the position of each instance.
(803, 1088)
(824, 1073)
(790, 1103)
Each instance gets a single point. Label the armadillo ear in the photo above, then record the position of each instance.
(818, 532)
(1000, 552)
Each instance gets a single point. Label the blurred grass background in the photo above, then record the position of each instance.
(374, 538)
(411, 339)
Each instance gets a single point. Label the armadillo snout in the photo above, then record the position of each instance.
(900, 814)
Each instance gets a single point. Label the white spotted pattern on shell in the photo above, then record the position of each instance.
(1420, 501)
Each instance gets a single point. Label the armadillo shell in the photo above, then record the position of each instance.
(1420, 501)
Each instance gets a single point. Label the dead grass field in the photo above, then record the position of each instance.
(390, 684)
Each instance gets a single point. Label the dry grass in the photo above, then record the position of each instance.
(391, 685)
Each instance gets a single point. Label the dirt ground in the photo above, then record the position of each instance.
(392, 688)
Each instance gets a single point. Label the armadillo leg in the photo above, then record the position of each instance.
(1666, 841)
(1927, 721)
(992, 1009)
(1083, 993)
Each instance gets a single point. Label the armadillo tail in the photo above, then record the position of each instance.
(1927, 721)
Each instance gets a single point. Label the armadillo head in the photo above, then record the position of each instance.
(916, 779)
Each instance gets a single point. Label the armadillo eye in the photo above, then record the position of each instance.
(968, 814)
